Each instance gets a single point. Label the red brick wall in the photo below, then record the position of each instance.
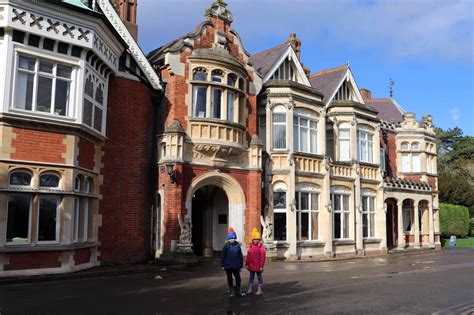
(33, 260)
(416, 177)
(389, 145)
(82, 256)
(175, 197)
(433, 181)
(40, 146)
(128, 168)
(86, 154)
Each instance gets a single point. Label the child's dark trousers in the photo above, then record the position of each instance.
(236, 273)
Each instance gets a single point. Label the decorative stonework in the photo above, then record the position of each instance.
(105, 50)
(135, 51)
(219, 10)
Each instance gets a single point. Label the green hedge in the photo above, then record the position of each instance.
(453, 220)
(471, 226)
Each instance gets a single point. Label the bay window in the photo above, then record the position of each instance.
(344, 142)
(410, 157)
(42, 86)
(279, 128)
(94, 101)
(307, 212)
(48, 224)
(210, 97)
(18, 219)
(340, 205)
(365, 146)
(304, 134)
(80, 218)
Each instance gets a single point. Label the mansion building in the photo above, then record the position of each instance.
(104, 150)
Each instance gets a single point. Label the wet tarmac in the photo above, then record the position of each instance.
(439, 282)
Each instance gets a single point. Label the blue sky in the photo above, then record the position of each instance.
(425, 46)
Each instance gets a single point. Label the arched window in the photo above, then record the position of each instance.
(89, 87)
(279, 211)
(78, 183)
(344, 142)
(20, 178)
(49, 180)
(405, 146)
(88, 186)
(279, 127)
(415, 146)
(241, 85)
(200, 74)
(217, 76)
(99, 94)
(231, 79)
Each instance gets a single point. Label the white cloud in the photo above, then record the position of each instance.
(397, 29)
(455, 114)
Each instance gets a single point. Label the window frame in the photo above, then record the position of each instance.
(97, 80)
(343, 212)
(279, 110)
(20, 171)
(57, 223)
(30, 218)
(280, 187)
(368, 141)
(309, 211)
(344, 127)
(49, 173)
(55, 60)
(368, 212)
(297, 137)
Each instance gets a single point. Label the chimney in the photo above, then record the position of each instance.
(127, 10)
(366, 94)
(296, 44)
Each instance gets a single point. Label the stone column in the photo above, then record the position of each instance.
(354, 145)
(431, 226)
(291, 209)
(269, 123)
(401, 234)
(358, 226)
(327, 210)
(417, 225)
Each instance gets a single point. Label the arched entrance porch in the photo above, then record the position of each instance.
(214, 202)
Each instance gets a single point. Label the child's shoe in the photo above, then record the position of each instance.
(231, 291)
(249, 291)
(238, 291)
(259, 290)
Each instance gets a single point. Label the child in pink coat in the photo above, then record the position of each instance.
(255, 261)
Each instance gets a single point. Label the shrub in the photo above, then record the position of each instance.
(471, 226)
(453, 220)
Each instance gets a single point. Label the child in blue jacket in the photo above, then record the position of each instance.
(232, 261)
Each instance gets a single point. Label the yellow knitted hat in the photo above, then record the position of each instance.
(255, 234)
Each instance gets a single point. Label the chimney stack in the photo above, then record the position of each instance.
(296, 44)
(127, 10)
(366, 94)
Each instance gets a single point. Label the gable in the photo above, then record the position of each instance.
(288, 67)
(347, 90)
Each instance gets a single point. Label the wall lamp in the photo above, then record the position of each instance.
(171, 172)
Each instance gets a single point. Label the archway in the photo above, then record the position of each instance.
(392, 223)
(214, 202)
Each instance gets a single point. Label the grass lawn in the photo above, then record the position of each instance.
(461, 242)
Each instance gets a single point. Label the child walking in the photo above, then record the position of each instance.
(255, 261)
(232, 261)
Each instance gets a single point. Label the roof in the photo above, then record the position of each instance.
(388, 109)
(77, 3)
(265, 60)
(328, 80)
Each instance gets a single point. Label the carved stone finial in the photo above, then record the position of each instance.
(219, 10)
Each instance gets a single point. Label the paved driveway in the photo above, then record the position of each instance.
(425, 283)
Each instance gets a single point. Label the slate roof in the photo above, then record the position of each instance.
(328, 80)
(265, 60)
(388, 109)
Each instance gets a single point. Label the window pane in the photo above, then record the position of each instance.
(75, 226)
(84, 220)
(62, 97)
(24, 90)
(200, 75)
(314, 226)
(216, 103)
(304, 226)
(404, 146)
(344, 150)
(407, 221)
(416, 162)
(49, 180)
(337, 225)
(372, 225)
(314, 202)
(230, 106)
(26, 63)
(46, 67)
(18, 220)
(296, 138)
(405, 162)
(337, 203)
(199, 105)
(344, 133)
(313, 141)
(279, 136)
(304, 139)
(280, 226)
(20, 179)
(279, 118)
(63, 72)
(87, 115)
(365, 225)
(99, 95)
(47, 219)
(98, 118)
(279, 200)
(45, 86)
(304, 204)
(346, 202)
(346, 225)
(231, 79)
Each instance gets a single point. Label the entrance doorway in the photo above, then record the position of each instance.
(210, 219)
(392, 226)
